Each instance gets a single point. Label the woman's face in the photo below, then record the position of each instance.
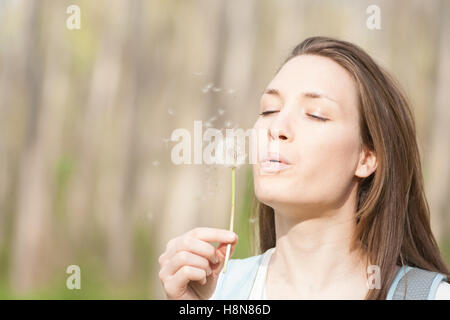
(322, 155)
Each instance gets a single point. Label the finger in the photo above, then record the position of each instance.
(198, 247)
(166, 255)
(222, 250)
(183, 258)
(162, 259)
(213, 234)
(177, 283)
(221, 253)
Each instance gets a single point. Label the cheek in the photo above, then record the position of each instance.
(324, 168)
(331, 161)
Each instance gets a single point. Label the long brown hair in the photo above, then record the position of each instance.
(393, 217)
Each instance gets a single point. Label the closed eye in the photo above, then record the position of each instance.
(267, 112)
(311, 115)
(318, 118)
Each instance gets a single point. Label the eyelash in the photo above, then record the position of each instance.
(313, 116)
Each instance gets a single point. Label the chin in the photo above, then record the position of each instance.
(270, 195)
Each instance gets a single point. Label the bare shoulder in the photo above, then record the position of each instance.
(443, 291)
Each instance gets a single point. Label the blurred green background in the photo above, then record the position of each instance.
(86, 117)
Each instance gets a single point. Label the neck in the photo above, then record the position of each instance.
(315, 253)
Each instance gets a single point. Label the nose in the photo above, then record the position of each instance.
(281, 125)
(275, 134)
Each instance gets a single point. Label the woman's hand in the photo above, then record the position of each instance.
(190, 266)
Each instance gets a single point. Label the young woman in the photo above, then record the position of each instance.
(341, 206)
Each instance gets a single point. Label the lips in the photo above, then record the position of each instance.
(274, 162)
(276, 158)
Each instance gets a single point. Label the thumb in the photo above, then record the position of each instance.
(221, 252)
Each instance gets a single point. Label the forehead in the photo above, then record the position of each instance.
(311, 73)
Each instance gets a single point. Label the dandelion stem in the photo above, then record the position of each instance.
(233, 189)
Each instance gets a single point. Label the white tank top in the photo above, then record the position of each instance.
(258, 291)
(259, 286)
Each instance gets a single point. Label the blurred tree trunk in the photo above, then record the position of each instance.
(438, 165)
(120, 245)
(97, 192)
(33, 203)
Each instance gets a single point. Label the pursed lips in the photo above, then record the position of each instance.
(273, 163)
(276, 157)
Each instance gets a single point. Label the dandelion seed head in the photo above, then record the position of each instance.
(230, 153)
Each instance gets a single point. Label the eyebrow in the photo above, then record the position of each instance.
(309, 94)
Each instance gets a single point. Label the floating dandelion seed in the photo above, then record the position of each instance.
(207, 87)
(213, 118)
(216, 89)
(221, 111)
(170, 111)
(155, 163)
(166, 141)
(228, 124)
(232, 155)
(197, 73)
(231, 91)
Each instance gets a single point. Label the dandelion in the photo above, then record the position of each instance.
(231, 155)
